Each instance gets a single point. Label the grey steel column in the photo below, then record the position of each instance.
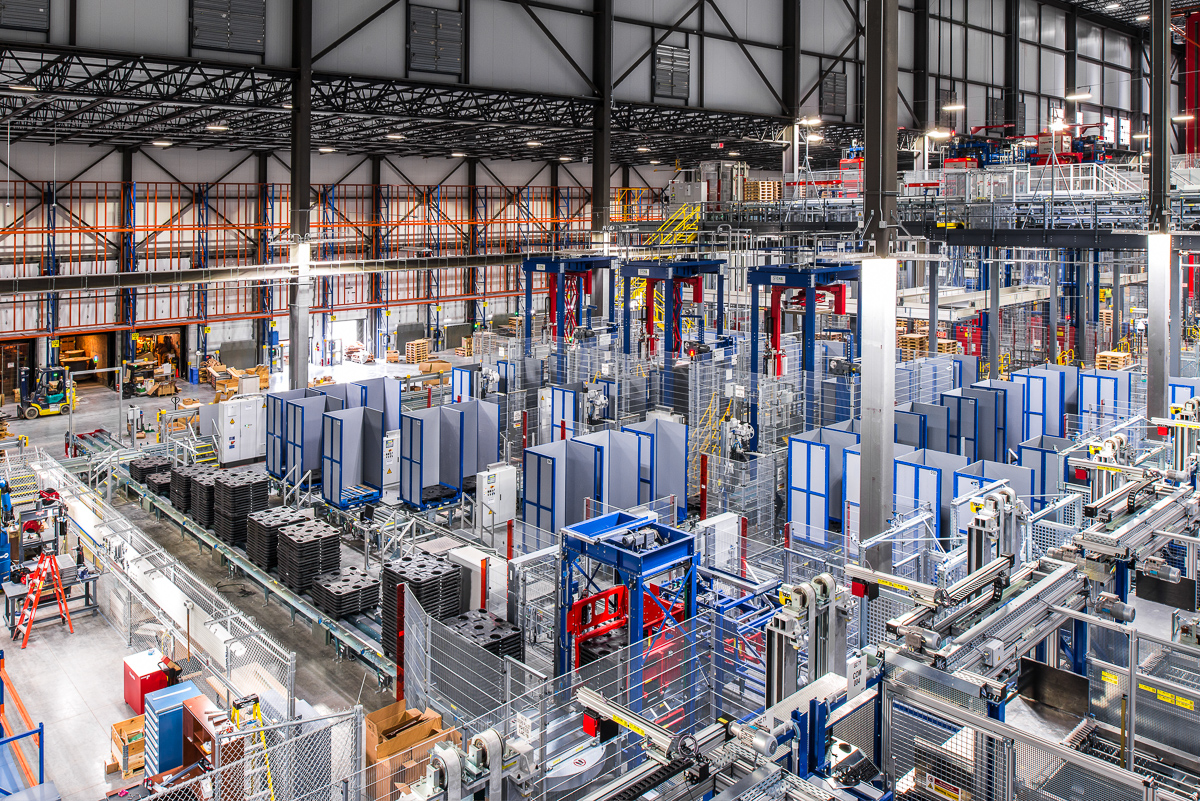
(1012, 68)
(1072, 66)
(932, 269)
(993, 314)
(1052, 311)
(1117, 300)
(300, 290)
(877, 320)
(602, 69)
(877, 287)
(1175, 324)
(1158, 254)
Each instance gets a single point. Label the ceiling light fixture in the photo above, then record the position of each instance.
(1079, 96)
(1142, 18)
(955, 107)
(811, 121)
(216, 126)
(533, 143)
(327, 150)
(22, 87)
(1140, 136)
(161, 143)
(643, 150)
(815, 138)
(1183, 118)
(938, 134)
(655, 161)
(564, 158)
(288, 106)
(395, 137)
(459, 155)
(734, 153)
(1112, 6)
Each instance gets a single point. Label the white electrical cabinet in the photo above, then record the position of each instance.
(241, 428)
(496, 498)
(391, 460)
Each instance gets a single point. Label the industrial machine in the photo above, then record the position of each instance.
(48, 392)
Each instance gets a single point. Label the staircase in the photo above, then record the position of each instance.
(205, 451)
(680, 228)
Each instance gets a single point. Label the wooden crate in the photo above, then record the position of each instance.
(1113, 360)
(393, 356)
(417, 351)
(128, 745)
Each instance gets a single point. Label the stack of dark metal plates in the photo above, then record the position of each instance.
(181, 484)
(305, 551)
(347, 592)
(262, 533)
(435, 582)
(159, 484)
(600, 647)
(235, 496)
(143, 466)
(200, 497)
(492, 633)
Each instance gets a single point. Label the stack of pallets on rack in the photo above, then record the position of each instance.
(262, 533)
(492, 633)
(913, 346)
(347, 592)
(436, 584)
(200, 497)
(144, 466)
(235, 496)
(305, 551)
(1113, 360)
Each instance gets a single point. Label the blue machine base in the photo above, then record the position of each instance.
(357, 496)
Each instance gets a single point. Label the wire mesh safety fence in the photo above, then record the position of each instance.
(319, 759)
(156, 602)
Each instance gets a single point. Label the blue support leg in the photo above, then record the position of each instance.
(626, 314)
(720, 304)
(754, 365)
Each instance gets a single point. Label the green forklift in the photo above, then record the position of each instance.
(52, 393)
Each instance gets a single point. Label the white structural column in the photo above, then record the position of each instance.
(877, 312)
(1158, 304)
(299, 315)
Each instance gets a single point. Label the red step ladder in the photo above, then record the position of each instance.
(47, 568)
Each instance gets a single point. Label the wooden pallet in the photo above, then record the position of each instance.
(416, 351)
(468, 346)
(1113, 360)
(1106, 317)
(948, 346)
(393, 356)
(763, 191)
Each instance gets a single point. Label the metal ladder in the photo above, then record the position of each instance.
(47, 568)
(246, 716)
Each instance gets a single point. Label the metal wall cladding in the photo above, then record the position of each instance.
(435, 40)
(25, 15)
(237, 26)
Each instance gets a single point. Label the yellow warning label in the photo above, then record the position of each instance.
(943, 789)
(893, 585)
(1185, 703)
(629, 725)
(1110, 678)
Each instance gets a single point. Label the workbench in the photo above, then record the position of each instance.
(14, 600)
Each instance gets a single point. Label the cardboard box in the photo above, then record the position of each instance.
(402, 756)
(434, 366)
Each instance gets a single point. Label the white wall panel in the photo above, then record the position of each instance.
(378, 49)
(825, 26)
(730, 81)
(904, 57)
(1054, 26)
(1029, 20)
(759, 20)
(1029, 67)
(1089, 39)
(139, 26)
(509, 51)
(1117, 49)
(1054, 74)
(629, 43)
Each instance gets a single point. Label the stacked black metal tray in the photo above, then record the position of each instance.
(492, 633)
(200, 497)
(603, 646)
(347, 592)
(435, 582)
(236, 495)
(181, 484)
(144, 466)
(305, 551)
(159, 484)
(262, 534)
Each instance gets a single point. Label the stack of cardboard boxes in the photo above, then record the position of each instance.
(399, 741)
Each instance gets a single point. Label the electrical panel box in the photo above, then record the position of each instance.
(681, 192)
(1054, 142)
(496, 497)
(241, 429)
(391, 460)
(248, 384)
